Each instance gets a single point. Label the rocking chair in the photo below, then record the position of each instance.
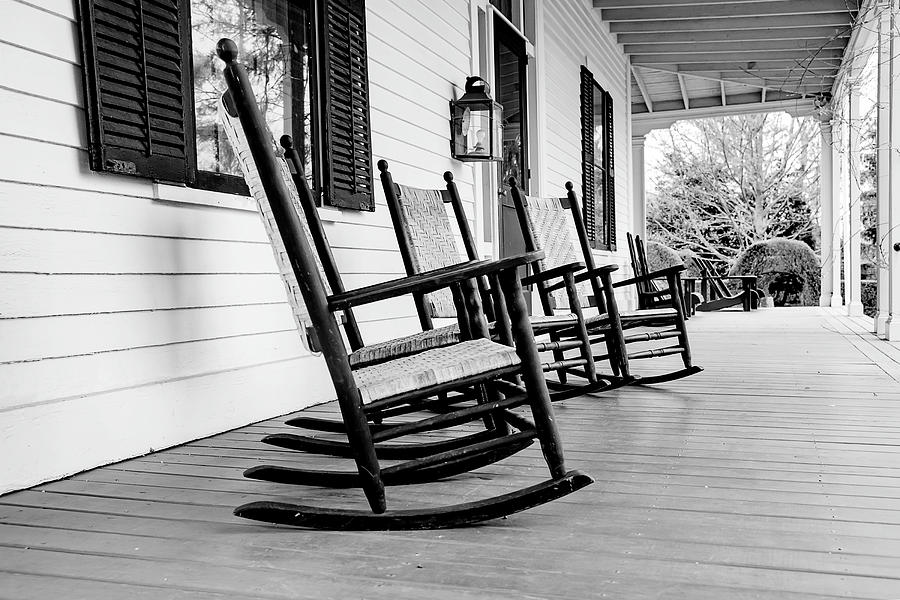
(716, 294)
(482, 367)
(427, 241)
(651, 293)
(544, 227)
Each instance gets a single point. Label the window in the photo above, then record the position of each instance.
(598, 178)
(153, 83)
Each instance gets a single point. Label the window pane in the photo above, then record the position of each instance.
(601, 235)
(272, 38)
(599, 116)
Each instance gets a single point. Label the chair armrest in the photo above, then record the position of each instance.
(583, 276)
(735, 277)
(595, 271)
(552, 273)
(428, 281)
(662, 273)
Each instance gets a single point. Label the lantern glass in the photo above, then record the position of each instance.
(475, 123)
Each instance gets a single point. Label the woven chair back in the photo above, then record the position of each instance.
(241, 147)
(432, 241)
(553, 232)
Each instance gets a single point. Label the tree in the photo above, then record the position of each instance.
(729, 182)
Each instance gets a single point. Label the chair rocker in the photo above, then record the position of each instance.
(545, 227)
(716, 294)
(475, 363)
(427, 241)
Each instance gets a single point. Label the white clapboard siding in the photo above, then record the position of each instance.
(575, 36)
(77, 335)
(57, 439)
(90, 211)
(59, 30)
(129, 323)
(35, 295)
(25, 383)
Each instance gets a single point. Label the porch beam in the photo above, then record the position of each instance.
(788, 67)
(611, 4)
(768, 80)
(670, 11)
(794, 45)
(644, 122)
(759, 22)
(750, 101)
(648, 101)
(738, 35)
(789, 56)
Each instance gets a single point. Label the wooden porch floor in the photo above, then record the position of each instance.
(773, 474)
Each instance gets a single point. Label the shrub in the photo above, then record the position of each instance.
(690, 266)
(660, 256)
(786, 269)
(869, 291)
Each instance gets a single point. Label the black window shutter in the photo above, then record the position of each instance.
(588, 185)
(348, 180)
(609, 186)
(137, 87)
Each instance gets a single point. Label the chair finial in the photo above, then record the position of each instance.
(448, 176)
(569, 186)
(286, 142)
(227, 50)
(383, 165)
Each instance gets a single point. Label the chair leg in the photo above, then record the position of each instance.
(533, 375)
(680, 325)
(615, 336)
(580, 328)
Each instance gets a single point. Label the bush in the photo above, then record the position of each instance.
(869, 298)
(660, 256)
(786, 269)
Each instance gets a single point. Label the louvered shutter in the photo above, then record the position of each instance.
(138, 95)
(588, 185)
(609, 185)
(348, 173)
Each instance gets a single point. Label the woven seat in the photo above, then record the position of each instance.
(433, 367)
(405, 346)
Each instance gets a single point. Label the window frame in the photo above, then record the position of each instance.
(599, 201)
(141, 106)
(228, 183)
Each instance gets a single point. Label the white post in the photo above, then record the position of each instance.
(826, 203)
(892, 326)
(853, 229)
(838, 195)
(883, 168)
(639, 200)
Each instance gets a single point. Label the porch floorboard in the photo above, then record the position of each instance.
(775, 473)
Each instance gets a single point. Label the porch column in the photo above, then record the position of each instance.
(826, 203)
(639, 200)
(853, 220)
(892, 326)
(838, 197)
(883, 168)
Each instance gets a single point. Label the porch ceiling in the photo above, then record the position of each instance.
(729, 56)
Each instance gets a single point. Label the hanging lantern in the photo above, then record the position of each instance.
(475, 123)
